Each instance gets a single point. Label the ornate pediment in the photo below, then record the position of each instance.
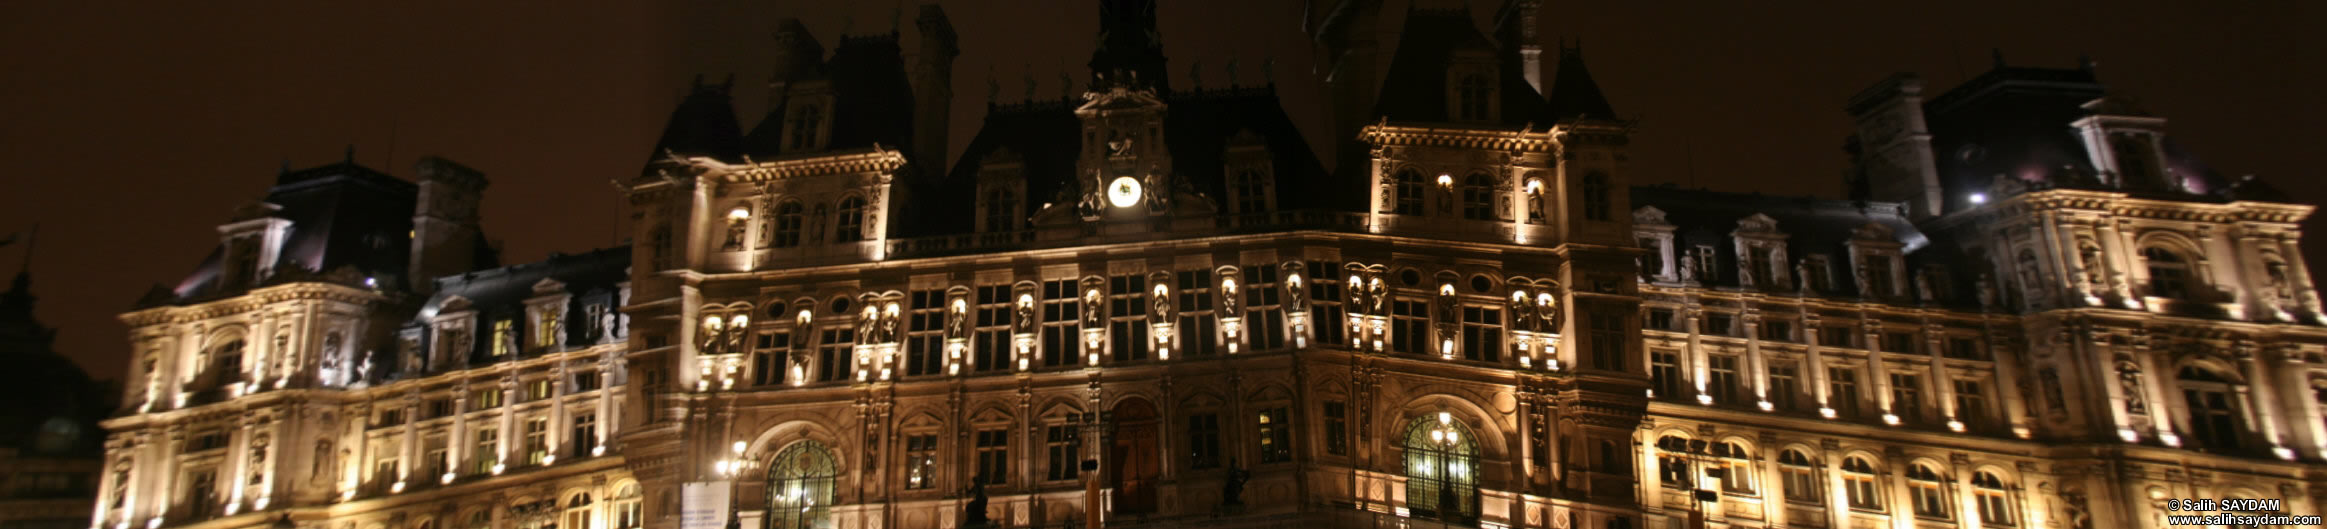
(1873, 231)
(549, 286)
(1758, 224)
(1648, 216)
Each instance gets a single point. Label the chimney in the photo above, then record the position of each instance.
(933, 89)
(445, 232)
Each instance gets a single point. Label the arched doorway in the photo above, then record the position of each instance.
(1442, 461)
(801, 487)
(1135, 459)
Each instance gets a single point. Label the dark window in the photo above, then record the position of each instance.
(1061, 323)
(770, 359)
(1718, 324)
(1723, 385)
(1784, 383)
(1665, 373)
(1899, 342)
(1965, 348)
(1607, 341)
(805, 121)
(1409, 191)
(1325, 304)
(1001, 210)
(1482, 334)
(1204, 440)
(1776, 330)
(1474, 93)
(1906, 395)
(585, 434)
(1660, 319)
(920, 462)
(1596, 203)
(1842, 390)
(993, 457)
(2169, 273)
(1336, 428)
(788, 224)
(990, 346)
(1065, 445)
(1252, 191)
(1835, 336)
(1198, 330)
(1127, 318)
(925, 333)
(1971, 404)
(1409, 326)
(833, 354)
(1264, 318)
(1478, 197)
(851, 226)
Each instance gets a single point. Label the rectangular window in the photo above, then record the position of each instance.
(1410, 326)
(585, 434)
(485, 399)
(537, 390)
(771, 358)
(925, 333)
(488, 450)
(834, 353)
(993, 457)
(1784, 383)
(585, 380)
(1276, 436)
(990, 346)
(439, 407)
(921, 462)
(1482, 334)
(1660, 319)
(1971, 404)
(1878, 275)
(1607, 341)
(390, 417)
(1325, 317)
(1336, 428)
(1066, 450)
(1965, 348)
(1776, 331)
(1723, 385)
(1652, 264)
(1199, 331)
(1836, 336)
(1264, 318)
(1718, 324)
(504, 335)
(1842, 390)
(1665, 373)
(536, 440)
(438, 464)
(1127, 318)
(1204, 441)
(1906, 395)
(1061, 323)
(1899, 342)
(1706, 265)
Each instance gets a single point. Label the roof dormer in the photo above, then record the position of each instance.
(252, 244)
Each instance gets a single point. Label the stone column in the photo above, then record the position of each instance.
(1756, 368)
(275, 432)
(606, 394)
(1967, 504)
(1837, 490)
(1652, 469)
(1694, 359)
(408, 439)
(508, 417)
(1773, 490)
(1942, 385)
(2009, 400)
(558, 388)
(2299, 274)
(456, 444)
(1901, 501)
(2260, 394)
(2155, 391)
(237, 465)
(1878, 367)
(1816, 356)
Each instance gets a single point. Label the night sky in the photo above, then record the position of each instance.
(129, 132)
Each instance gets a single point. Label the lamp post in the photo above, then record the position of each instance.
(1448, 439)
(1698, 452)
(731, 469)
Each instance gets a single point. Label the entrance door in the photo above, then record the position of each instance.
(1135, 459)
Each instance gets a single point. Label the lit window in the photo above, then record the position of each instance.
(1994, 500)
(1801, 477)
(1858, 481)
(1928, 492)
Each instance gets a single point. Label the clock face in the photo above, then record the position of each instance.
(1123, 192)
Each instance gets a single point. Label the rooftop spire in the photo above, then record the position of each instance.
(1573, 94)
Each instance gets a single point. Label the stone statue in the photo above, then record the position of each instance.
(1523, 311)
(1296, 294)
(1547, 308)
(1023, 321)
(1161, 303)
(974, 514)
(1923, 286)
(1094, 304)
(1688, 267)
(1232, 486)
(709, 336)
(889, 318)
(734, 237)
(1987, 290)
(737, 327)
(1231, 300)
(2129, 382)
(1802, 277)
(1535, 209)
(1376, 296)
(868, 324)
(957, 317)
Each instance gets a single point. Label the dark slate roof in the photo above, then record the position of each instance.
(1198, 125)
(343, 216)
(500, 293)
(1573, 94)
(1129, 48)
(872, 100)
(1812, 226)
(1414, 87)
(53, 406)
(703, 125)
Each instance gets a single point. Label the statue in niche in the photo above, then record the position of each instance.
(1923, 286)
(1547, 308)
(1231, 300)
(889, 323)
(1449, 309)
(612, 321)
(2054, 401)
(2129, 381)
(1094, 304)
(1159, 193)
(2277, 291)
(737, 326)
(2079, 517)
(1688, 267)
(316, 472)
(816, 224)
(1296, 294)
(364, 369)
(1377, 296)
(1159, 303)
(1986, 290)
(708, 336)
(1865, 282)
(1093, 195)
(734, 236)
(1445, 200)
(1802, 276)
(2089, 257)
(1523, 310)
(408, 349)
(1389, 194)
(1535, 208)
(957, 317)
(1022, 320)
(1745, 272)
(868, 324)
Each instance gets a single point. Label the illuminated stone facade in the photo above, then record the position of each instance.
(1150, 305)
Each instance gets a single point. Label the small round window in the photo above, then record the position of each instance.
(1481, 284)
(840, 305)
(776, 310)
(1410, 277)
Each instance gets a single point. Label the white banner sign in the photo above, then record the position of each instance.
(703, 505)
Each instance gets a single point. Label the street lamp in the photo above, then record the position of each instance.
(1447, 439)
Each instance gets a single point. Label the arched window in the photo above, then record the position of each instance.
(577, 512)
(226, 359)
(1994, 500)
(1474, 93)
(628, 513)
(1929, 492)
(801, 487)
(2213, 408)
(2169, 272)
(1478, 197)
(787, 224)
(1801, 477)
(1596, 204)
(1001, 210)
(1409, 191)
(852, 220)
(1673, 463)
(1858, 482)
(482, 519)
(1736, 469)
(1441, 469)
